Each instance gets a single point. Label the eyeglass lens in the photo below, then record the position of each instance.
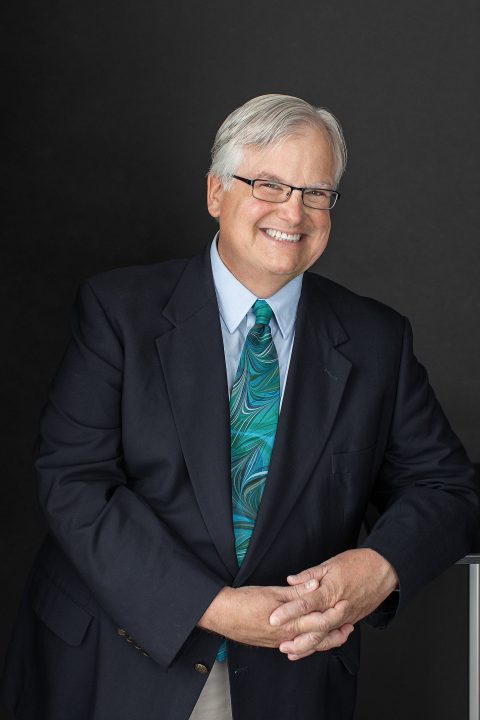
(277, 192)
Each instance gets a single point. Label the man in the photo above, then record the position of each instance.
(210, 444)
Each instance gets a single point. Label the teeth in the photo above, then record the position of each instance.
(282, 235)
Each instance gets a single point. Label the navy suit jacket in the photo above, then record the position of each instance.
(134, 482)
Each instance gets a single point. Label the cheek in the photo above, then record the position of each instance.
(248, 218)
(325, 222)
(321, 239)
(323, 226)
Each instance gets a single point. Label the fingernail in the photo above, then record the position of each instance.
(310, 584)
(291, 577)
(274, 620)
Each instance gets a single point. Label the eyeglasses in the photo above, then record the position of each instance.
(276, 192)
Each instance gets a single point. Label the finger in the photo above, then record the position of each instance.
(317, 572)
(337, 638)
(299, 657)
(293, 594)
(307, 643)
(292, 610)
(315, 626)
(322, 622)
(302, 604)
(310, 642)
(301, 589)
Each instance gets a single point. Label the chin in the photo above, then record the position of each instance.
(282, 269)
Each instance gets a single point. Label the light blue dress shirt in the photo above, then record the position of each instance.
(237, 317)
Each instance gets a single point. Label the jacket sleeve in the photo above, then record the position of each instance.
(138, 571)
(426, 489)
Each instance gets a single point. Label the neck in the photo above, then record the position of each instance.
(262, 285)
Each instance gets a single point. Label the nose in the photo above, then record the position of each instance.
(293, 209)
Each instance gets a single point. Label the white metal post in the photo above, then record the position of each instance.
(474, 642)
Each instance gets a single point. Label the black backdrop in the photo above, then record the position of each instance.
(109, 111)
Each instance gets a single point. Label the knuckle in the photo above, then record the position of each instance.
(330, 596)
(316, 638)
(300, 604)
(296, 591)
(303, 605)
(292, 629)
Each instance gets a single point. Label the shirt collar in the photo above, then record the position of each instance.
(235, 300)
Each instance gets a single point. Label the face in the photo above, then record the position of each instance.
(247, 242)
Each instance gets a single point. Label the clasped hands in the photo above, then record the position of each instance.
(315, 612)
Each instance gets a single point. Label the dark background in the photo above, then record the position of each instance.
(109, 111)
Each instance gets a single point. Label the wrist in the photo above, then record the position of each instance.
(388, 573)
(216, 616)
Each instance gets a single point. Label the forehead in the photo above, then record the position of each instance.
(306, 154)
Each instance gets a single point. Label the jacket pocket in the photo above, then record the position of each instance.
(344, 463)
(349, 654)
(59, 611)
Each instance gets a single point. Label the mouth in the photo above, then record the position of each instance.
(282, 236)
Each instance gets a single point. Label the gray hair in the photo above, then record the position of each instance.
(265, 120)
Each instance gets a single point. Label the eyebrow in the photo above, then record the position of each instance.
(262, 175)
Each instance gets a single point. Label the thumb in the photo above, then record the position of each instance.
(316, 573)
(301, 588)
(288, 593)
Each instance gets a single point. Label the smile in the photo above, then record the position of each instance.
(278, 235)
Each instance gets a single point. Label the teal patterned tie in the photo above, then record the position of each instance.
(254, 404)
(254, 408)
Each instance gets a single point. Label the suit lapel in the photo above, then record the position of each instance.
(315, 384)
(193, 362)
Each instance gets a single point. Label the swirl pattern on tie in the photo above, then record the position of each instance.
(254, 408)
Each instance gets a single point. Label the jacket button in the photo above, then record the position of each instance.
(122, 632)
(201, 668)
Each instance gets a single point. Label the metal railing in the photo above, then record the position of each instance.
(473, 561)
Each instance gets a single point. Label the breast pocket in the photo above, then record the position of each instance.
(58, 611)
(353, 461)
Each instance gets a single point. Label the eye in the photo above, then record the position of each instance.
(269, 185)
(317, 193)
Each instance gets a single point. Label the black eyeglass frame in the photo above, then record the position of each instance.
(251, 182)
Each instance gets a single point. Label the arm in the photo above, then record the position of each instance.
(139, 572)
(429, 500)
(426, 490)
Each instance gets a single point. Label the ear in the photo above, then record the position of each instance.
(215, 192)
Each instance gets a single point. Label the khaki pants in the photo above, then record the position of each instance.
(214, 700)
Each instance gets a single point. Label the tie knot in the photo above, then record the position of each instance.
(263, 312)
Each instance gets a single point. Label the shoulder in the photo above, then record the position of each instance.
(140, 281)
(356, 312)
(129, 296)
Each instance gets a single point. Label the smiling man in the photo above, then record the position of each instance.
(266, 237)
(210, 444)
